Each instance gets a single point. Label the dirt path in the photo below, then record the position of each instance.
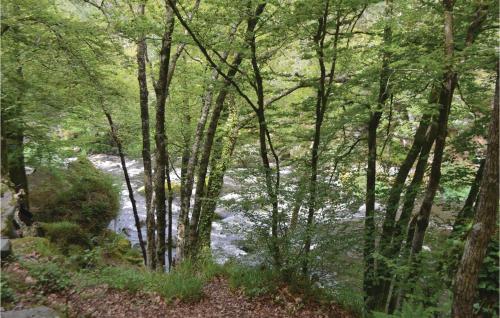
(219, 302)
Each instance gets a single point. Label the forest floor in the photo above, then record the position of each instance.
(218, 300)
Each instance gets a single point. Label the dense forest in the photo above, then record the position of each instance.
(253, 158)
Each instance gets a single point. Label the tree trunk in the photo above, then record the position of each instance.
(146, 146)
(161, 90)
(320, 108)
(3, 151)
(219, 163)
(370, 284)
(400, 228)
(485, 223)
(118, 143)
(170, 200)
(449, 83)
(203, 165)
(467, 211)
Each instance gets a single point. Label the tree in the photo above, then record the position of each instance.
(484, 224)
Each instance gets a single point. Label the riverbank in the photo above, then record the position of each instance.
(104, 283)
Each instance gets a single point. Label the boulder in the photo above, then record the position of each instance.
(8, 209)
(37, 312)
(5, 247)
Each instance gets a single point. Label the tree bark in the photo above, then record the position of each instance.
(219, 163)
(170, 200)
(370, 284)
(400, 228)
(203, 166)
(118, 143)
(271, 187)
(161, 90)
(449, 83)
(467, 212)
(146, 146)
(485, 223)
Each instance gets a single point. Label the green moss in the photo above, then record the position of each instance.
(28, 245)
(80, 194)
(116, 249)
(64, 234)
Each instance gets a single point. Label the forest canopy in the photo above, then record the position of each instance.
(355, 142)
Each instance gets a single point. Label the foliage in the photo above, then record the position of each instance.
(64, 62)
(6, 292)
(49, 276)
(408, 311)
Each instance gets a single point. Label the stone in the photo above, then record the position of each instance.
(8, 209)
(5, 247)
(30, 280)
(37, 312)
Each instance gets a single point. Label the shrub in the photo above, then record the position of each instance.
(408, 311)
(6, 292)
(49, 276)
(349, 298)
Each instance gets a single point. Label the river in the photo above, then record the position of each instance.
(227, 230)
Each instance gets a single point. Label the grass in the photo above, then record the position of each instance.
(64, 234)
(28, 245)
(185, 282)
(252, 280)
(348, 298)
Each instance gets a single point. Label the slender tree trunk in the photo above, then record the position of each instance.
(206, 149)
(485, 223)
(118, 143)
(219, 163)
(146, 146)
(203, 165)
(400, 228)
(271, 187)
(370, 283)
(320, 108)
(15, 144)
(323, 93)
(3, 151)
(445, 99)
(467, 211)
(208, 144)
(170, 200)
(161, 90)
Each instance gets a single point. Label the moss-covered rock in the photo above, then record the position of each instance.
(80, 194)
(64, 234)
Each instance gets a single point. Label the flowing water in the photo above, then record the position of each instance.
(225, 234)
